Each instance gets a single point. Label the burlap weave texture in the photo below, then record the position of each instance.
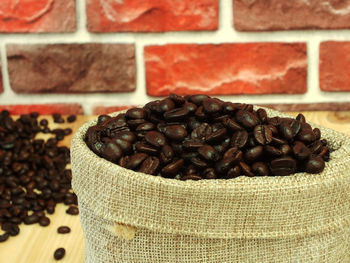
(298, 218)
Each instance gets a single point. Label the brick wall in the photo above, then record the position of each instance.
(94, 56)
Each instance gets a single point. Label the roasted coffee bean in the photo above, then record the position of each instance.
(135, 113)
(253, 154)
(112, 151)
(232, 125)
(233, 172)
(10, 228)
(201, 132)
(198, 162)
(149, 165)
(262, 134)
(71, 118)
(177, 114)
(239, 139)
(59, 253)
(278, 141)
(262, 115)
(247, 119)
(314, 165)
(286, 132)
(72, 210)
(233, 154)
(198, 99)
(317, 133)
(300, 151)
(4, 237)
(286, 149)
(306, 136)
(211, 105)
(146, 148)
(246, 170)
(155, 138)
(208, 153)
(173, 168)
(209, 173)
(166, 154)
(222, 166)
(190, 107)
(135, 160)
(260, 169)
(32, 219)
(63, 230)
(283, 166)
(272, 151)
(44, 221)
(300, 118)
(194, 177)
(175, 132)
(146, 126)
(192, 145)
(216, 136)
(178, 100)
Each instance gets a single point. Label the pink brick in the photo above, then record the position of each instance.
(262, 15)
(72, 68)
(98, 110)
(151, 16)
(335, 66)
(37, 16)
(44, 109)
(251, 68)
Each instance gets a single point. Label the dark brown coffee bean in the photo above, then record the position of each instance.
(211, 105)
(177, 114)
(177, 99)
(112, 151)
(239, 139)
(59, 253)
(44, 221)
(272, 151)
(262, 115)
(208, 153)
(314, 165)
(262, 134)
(32, 219)
(222, 166)
(306, 136)
(71, 118)
(150, 165)
(233, 172)
(216, 136)
(135, 113)
(198, 162)
(253, 154)
(155, 138)
(283, 166)
(317, 133)
(201, 132)
(10, 228)
(72, 210)
(125, 135)
(247, 119)
(190, 107)
(246, 170)
(286, 149)
(4, 237)
(166, 105)
(198, 99)
(209, 173)
(166, 154)
(146, 148)
(233, 154)
(278, 141)
(232, 125)
(192, 145)
(135, 160)
(194, 177)
(300, 151)
(286, 132)
(175, 132)
(63, 230)
(300, 118)
(173, 168)
(146, 126)
(260, 169)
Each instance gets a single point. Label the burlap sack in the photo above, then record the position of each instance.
(130, 217)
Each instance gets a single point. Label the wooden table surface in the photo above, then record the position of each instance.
(36, 244)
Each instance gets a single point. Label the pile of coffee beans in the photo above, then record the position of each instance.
(33, 174)
(199, 137)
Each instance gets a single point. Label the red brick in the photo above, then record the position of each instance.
(37, 16)
(261, 15)
(322, 106)
(98, 110)
(44, 109)
(251, 68)
(151, 16)
(71, 68)
(334, 66)
(1, 85)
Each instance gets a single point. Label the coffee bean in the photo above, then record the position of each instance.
(201, 132)
(272, 151)
(247, 119)
(194, 177)
(211, 105)
(10, 228)
(72, 210)
(306, 136)
(32, 219)
(71, 118)
(112, 151)
(216, 136)
(149, 165)
(59, 253)
(262, 115)
(63, 230)
(260, 169)
(4, 237)
(314, 165)
(135, 113)
(301, 152)
(175, 132)
(286, 132)
(155, 138)
(173, 168)
(177, 114)
(239, 139)
(208, 153)
(135, 160)
(44, 221)
(222, 166)
(209, 173)
(233, 172)
(301, 118)
(254, 154)
(283, 166)
(198, 162)
(245, 168)
(178, 100)
(232, 125)
(317, 133)
(262, 134)
(198, 99)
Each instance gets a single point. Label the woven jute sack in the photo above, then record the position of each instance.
(131, 217)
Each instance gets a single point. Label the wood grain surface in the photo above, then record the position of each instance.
(36, 244)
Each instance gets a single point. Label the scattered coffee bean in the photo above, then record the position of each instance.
(72, 210)
(63, 230)
(59, 253)
(197, 137)
(44, 221)
(71, 118)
